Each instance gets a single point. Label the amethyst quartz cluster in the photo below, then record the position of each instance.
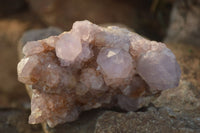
(91, 67)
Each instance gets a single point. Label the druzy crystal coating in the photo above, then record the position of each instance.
(90, 67)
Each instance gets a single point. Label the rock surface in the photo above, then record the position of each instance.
(151, 121)
(187, 97)
(85, 124)
(89, 67)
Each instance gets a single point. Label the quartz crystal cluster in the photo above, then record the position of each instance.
(90, 67)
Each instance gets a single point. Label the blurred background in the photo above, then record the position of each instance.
(175, 22)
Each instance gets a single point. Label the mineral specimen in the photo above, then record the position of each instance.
(90, 67)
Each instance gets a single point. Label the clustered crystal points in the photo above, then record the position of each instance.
(90, 67)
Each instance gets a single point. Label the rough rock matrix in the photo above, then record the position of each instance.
(90, 67)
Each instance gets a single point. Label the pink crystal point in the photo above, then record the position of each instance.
(68, 47)
(115, 64)
(159, 69)
(90, 67)
(32, 48)
(28, 70)
(50, 42)
(36, 47)
(85, 30)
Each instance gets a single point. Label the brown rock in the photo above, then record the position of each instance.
(152, 121)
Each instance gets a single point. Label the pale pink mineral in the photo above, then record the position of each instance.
(90, 67)
(116, 65)
(68, 53)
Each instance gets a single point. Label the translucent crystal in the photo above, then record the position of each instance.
(159, 69)
(115, 64)
(91, 67)
(33, 47)
(68, 47)
(28, 70)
